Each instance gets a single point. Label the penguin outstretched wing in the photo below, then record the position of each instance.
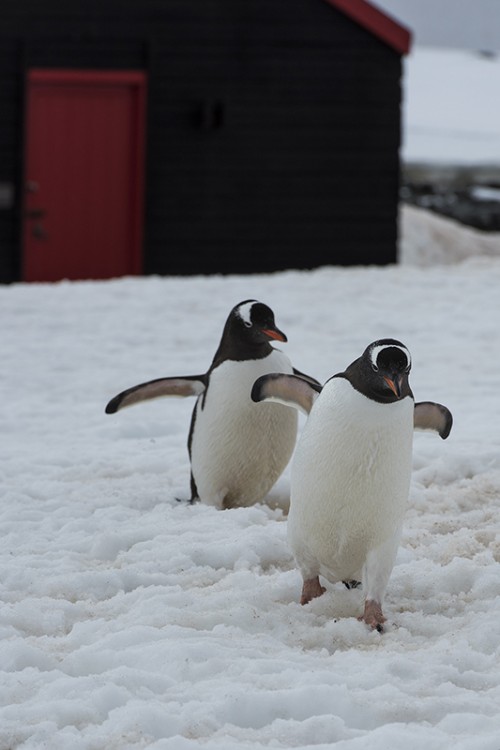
(431, 416)
(297, 392)
(290, 390)
(190, 385)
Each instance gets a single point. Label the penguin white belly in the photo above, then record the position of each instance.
(239, 448)
(350, 481)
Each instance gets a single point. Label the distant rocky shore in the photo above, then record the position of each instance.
(470, 195)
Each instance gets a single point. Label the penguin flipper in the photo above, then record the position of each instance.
(307, 378)
(290, 390)
(191, 385)
(431, 416)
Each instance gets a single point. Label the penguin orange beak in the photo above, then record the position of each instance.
(394, 385)
(274, 333)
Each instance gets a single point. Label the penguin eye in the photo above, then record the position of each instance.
(248, 324)
(374, 367)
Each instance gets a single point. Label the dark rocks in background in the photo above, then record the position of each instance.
(468, 195)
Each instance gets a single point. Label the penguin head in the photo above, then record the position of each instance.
(382, 371)
(254, 322)
(247, 332)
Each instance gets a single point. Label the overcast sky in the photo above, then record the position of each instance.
(469, 24)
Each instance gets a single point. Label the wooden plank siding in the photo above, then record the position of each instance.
(273, 126)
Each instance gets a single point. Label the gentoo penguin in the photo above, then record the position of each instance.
(350, 474)
(237, 450)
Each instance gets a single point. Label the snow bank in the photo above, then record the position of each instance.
(427, 239)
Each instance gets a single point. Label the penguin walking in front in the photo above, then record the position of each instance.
(237, 450)
(350, 475)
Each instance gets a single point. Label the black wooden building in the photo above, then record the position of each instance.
(197, 136)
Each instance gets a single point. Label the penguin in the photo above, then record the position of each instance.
(351, 471)
(237, 451)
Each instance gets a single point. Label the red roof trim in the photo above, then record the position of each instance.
(377, 22)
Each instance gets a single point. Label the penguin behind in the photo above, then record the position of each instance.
(351, 471)
(237, 451)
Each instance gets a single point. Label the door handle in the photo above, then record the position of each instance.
(35, 213)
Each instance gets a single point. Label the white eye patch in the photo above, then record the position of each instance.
(374, 353)
(244, 312)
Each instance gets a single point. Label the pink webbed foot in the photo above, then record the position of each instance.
(373, 616)
(311, 590)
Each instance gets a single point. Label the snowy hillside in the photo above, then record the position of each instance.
(451, 112)
(451, 134)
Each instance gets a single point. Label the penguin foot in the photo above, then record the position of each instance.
(188, 501)
(373, 616)
(311, 590)
(352, 584)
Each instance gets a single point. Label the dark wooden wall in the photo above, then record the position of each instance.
(273, 127)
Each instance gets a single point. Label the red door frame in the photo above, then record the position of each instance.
(95, 77)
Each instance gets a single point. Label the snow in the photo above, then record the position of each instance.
(132, 620)
(450, 107)
(426, 239)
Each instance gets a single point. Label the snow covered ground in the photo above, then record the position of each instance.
(131, 620)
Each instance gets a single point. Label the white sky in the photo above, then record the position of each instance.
(449, 23)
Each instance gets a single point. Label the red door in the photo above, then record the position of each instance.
(84, 174)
